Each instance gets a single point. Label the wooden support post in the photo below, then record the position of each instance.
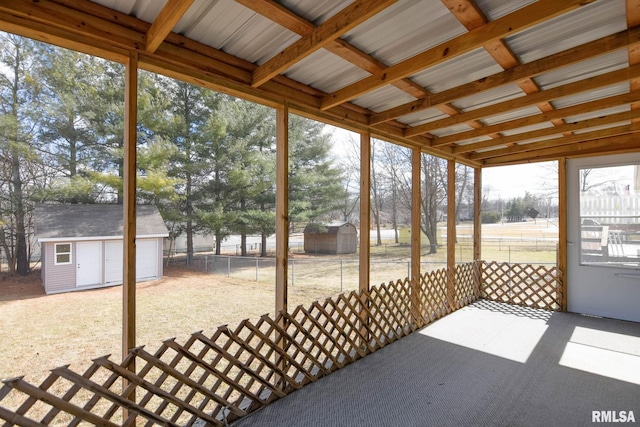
(129, 213)
(416, 205)
(365, 208)
(477, 229)
(129, 207)
(282, 231)
(562, 229)
(451, 233)
(365, 235)
(282, 206)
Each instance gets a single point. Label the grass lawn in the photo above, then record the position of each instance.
(40, 332)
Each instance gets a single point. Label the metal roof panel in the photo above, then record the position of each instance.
(384, 98)
(494, 9)
(585, 24)
(489, 97)
(405, 29)
(474, 65)
(592, 95)
(325, 71)
(612, 61)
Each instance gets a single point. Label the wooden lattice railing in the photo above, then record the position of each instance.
(217, 378)
(537, 286)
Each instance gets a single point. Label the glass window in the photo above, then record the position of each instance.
(63, 253)
(610, 216)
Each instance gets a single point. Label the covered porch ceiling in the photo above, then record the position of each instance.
(481, 82)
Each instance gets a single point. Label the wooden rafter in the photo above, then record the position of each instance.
(164, 23)
(517, 21)
(565, 127)
(628, 38)
(559, 142)
(533, 99)
(283, 16)
(98, 30)
(587, 107)
(609, 145)
(633, 20)
(331, 29)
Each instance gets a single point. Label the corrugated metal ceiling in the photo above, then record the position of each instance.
(405, 29)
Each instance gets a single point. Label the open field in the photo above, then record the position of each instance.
(530, 242)
(39, 332)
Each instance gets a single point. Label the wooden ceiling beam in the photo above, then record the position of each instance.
(557, 142)
(165, 21)
(529, 100)
(299, 25)
(633, 20)
(517, 21)
(564, 128)
(628, 143)
(469, 14)
(334, 27)
(623, 39)
(587, 107)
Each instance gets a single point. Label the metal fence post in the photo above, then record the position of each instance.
(228, 266)
(293, 268)
(205, 264)
(257, 269)
(340, 275)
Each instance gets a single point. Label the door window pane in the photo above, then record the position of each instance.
(610, 216)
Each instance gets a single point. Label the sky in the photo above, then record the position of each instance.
(504, 182)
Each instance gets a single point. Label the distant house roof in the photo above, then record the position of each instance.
(66, 221)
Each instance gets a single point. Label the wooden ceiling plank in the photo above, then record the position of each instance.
(528, 100)
(587, 107)
(609, 145)
(165, 21)
(519, 73)
(566, 127)
(344, 21)
(556, 142)
(515, 22)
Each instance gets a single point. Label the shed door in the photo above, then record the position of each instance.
(603, 236)
(146, 259)
(88, 263)
(113, 262)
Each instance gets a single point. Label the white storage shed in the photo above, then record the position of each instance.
(82, 246)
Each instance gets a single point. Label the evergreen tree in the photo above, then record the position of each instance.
(315, 180)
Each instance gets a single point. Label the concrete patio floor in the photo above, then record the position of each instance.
(487, 364)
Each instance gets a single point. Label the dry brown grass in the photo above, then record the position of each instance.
(40, 332)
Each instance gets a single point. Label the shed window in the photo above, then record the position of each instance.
(63, 253)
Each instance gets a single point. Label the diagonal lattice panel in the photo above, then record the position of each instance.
(215, 379)
(536, 286)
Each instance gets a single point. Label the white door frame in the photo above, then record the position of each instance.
(602, 291)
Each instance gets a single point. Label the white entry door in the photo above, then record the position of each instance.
(88, 263)
(146, 259)
(113, 262)
(603, 236)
